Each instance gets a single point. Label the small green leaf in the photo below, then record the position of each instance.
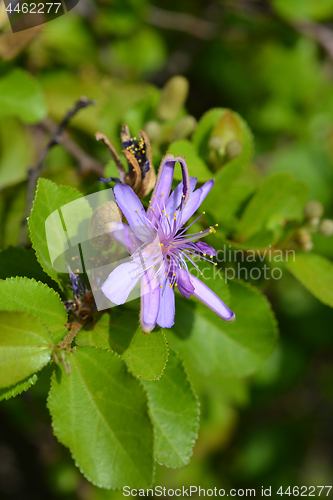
(315, 273)
(279, 199)
(28, 295)
(214, 346)
(22, 96)
(25, 347)
(144, 355)
(304, 10)
(49, 199)
(100, 412)
(174, 411)
(210, 124)
(196, 165)
(14, 161)
(15, 390)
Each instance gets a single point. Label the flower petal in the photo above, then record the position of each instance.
(184, 284)
(122, 233)
(195, 200)
(166, 311)
(176, 196)
(210, 299)
(163, 185)
(130, 205)
(121, 282)
(202, 247)
(150, 301)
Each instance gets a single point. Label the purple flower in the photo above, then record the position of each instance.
(161, 250)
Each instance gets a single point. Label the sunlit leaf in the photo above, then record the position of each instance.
(25, 347)
(174, 411)
(15, 390)
(36, 298)
(100, 412)
(315, 273)
(279, 199)
(213, 346)
(144, 355)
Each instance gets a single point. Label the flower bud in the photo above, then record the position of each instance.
(99, 234)
(153, 130)
(215, 142)
(229, 130)
(326, 227)
(313, 209)
(174, 94)
(233, 148)
(184, 127)
(304, 240)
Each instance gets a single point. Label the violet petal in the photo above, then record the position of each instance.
(121, 282)
(150, 301)
(166, 312)
(130, 205)
(211, 300)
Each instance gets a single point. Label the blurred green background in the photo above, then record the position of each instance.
(271, 62)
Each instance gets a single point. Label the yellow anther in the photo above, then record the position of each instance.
(166, 215)
(176, 284)
(144, 268)
(175, 214)
(163, 211)
(153, 209)
(154, 196)
(211, 256)
(183, 196)
(144, 260)
(131, 234)
(203, 213)
(133, 245)
(200, 274)
(166, 274)
(137, 210)
(161, 286)
(216, 225)
(204, 254)
(137, 274)
(174, 274)
(144, 225)
(215, 263)
(162, 194)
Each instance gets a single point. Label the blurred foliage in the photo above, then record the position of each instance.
(270, 62)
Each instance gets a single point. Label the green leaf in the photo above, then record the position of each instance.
(234, 183)
(196, 165)
(214, 346)
(227, 124)
(22, 96)
(14, 161)
(19, 261)
(315, 273)
(144, 355)
(304, 10)
(28, 295)
(100, 412)
(25, 347)
(279, 199)
(174, 411)
(49, 199)
(15, 390)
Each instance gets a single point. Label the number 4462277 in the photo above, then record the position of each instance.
(33, 8)
(305, 491)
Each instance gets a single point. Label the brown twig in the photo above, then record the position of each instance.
(323, 35)
(179, 21)
(34, 173)
(114, 155)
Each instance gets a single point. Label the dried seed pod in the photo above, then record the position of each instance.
(326, 227)
(99, 233)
